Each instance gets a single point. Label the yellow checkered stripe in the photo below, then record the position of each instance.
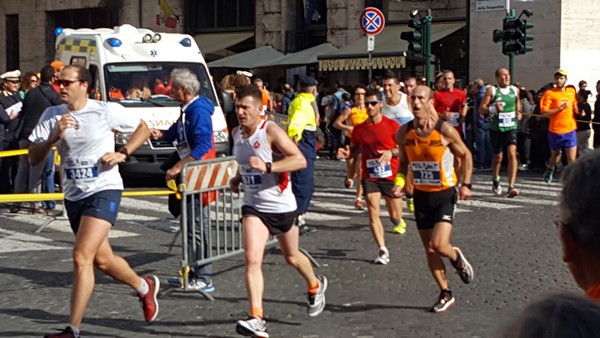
(77, 46)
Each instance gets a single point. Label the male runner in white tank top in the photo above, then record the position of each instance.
(266, 155)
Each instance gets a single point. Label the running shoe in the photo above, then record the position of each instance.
(305, 229)
(66, 333)
(148, 301)
(383, 257)
(548, 175)
(463, 267)
(512, 192)
(348, 183)
(201, 284)
(316, 302)
(410, 204)
(194, 284)
(400, 228)
(496, 188)
(444, 302)
(523, 167)
(252, 327)
(358, 204)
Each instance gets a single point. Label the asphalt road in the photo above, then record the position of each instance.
(511, 243)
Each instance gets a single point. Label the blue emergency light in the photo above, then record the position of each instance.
(186, 42)
(114, 42)
(58, 30)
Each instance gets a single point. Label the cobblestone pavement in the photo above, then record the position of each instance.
(511, 243)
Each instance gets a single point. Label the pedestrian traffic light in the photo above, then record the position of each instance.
(416, 37)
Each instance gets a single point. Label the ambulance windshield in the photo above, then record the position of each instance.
(149, 84)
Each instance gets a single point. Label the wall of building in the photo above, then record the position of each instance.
(440, 9)
(343, 22)
(533, 69)
(34, 25)
(579, 48)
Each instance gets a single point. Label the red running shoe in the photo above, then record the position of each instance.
(148, 301)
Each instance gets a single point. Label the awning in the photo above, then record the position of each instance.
(212, 42)
(303, 57)
(248, 59)
(389, 49)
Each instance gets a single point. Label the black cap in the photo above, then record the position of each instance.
(308, 81)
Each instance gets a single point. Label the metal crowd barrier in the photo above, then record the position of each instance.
(224, 228)
(280, 119)
(224, 238)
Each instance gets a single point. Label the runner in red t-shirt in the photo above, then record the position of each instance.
(449, 102)
(379, 157)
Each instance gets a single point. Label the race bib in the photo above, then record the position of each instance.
(378, 170)
(251, 179)
(453, 119)
(82, 170)
(506, 119)
(426, 173)
(183, 148)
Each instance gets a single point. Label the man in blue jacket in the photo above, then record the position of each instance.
(192, 135)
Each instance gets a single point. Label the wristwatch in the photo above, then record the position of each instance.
(125, 152)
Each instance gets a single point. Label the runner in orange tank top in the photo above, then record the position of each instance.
(428, 145)
(356, 114)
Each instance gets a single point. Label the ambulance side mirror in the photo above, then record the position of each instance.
(227, 103)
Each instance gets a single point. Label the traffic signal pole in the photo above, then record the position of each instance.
(428, 19)
(515, 36)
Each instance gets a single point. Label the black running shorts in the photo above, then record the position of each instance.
(502, 139)
(277, 223)
(382, 186)
(434, 207)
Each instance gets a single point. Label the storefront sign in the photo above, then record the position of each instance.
(381, 62)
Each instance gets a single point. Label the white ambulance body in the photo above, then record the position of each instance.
(117, 58)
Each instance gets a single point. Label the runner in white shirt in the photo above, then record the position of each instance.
(395, 104)
(83, 132)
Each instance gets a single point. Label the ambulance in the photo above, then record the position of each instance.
(131, 66)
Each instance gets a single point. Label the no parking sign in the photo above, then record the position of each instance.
(372, 21)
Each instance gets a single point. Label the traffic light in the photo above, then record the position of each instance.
(415, 38)
(514, 35)
(526, 36)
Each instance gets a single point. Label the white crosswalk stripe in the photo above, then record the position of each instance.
(327, 205)
(331, 203)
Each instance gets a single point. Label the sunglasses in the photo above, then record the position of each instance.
(13, 81)
(372, 103)
(66, 83)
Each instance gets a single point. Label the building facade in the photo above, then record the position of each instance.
(565, 31)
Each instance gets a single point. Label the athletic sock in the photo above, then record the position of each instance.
(75, 330)
(144, 288)
(256, 312)
(313, 287)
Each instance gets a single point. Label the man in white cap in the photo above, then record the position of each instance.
(10, 107)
